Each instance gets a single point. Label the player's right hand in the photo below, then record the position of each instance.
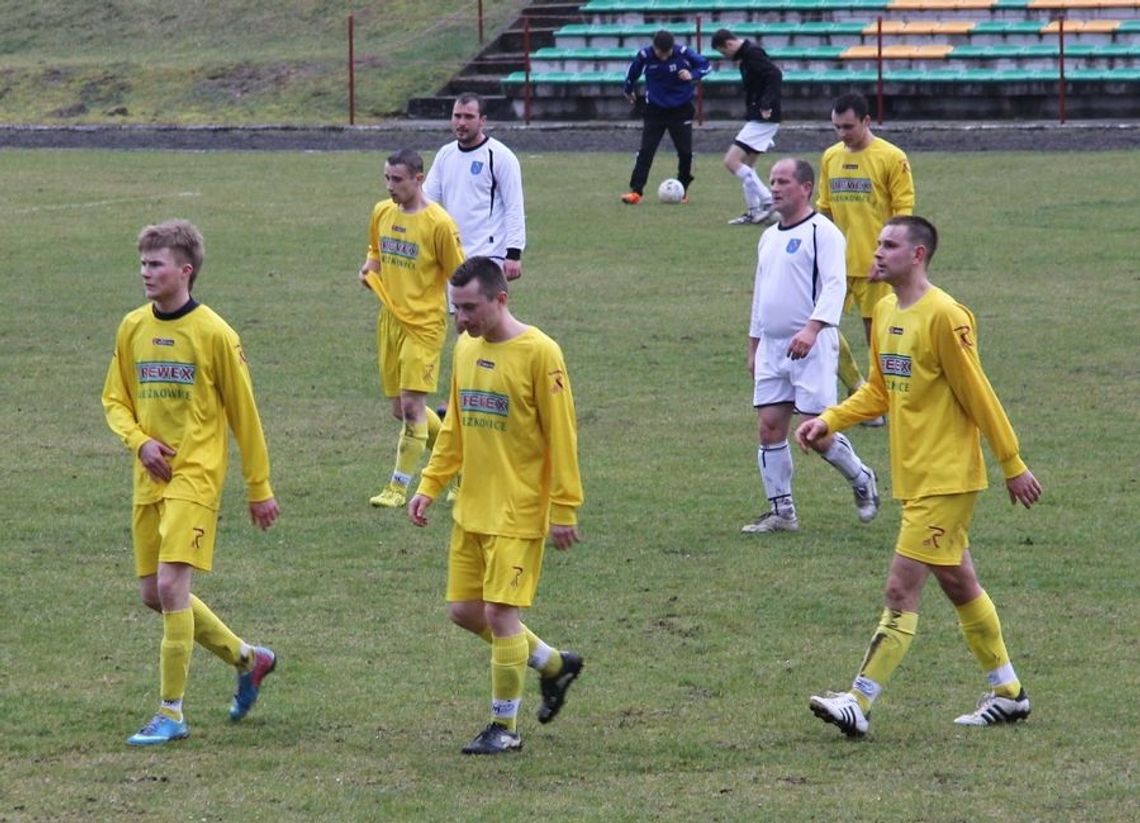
(153, 455)
(810, 431)
(417, 509)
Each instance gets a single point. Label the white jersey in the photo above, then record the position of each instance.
(801, 275)
(481, 188)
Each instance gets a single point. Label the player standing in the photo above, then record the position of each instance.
(177, 376)
(864, 181)
(413, 248)
(792, 345)
(512, 431)
(925, 370)
(478, 181)
(671, 74)
(762, 83)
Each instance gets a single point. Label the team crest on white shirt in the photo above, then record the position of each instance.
(476, 166)
(793, 244)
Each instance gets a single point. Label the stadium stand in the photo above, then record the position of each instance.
(960, 59)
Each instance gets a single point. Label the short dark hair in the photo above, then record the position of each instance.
(663, 40)
(852, 102)
(471, 97)
(919, 232)
(804, 173)
(408, 158)
(181, 237)
(486, 271)
(722, 36)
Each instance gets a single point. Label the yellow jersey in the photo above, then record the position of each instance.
(417, 254)
(862, 190)
(511, 430)
(178, 379)
(926, 373)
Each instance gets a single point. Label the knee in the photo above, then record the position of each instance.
(150, 600)
(898, 596)
(463, 616)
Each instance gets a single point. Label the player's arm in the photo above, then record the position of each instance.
(699, 65)
(901, 186)
(236, 388)
(433, 181)
(872, 398)
(448, 248)
(447, 455)
(955, 341)
(823, 188)
(831, 261)
(118, 402)
(511, 190)
(372, 256)
(555, 405)
(636, 66)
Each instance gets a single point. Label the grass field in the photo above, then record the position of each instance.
(702, 645)
(257, 61)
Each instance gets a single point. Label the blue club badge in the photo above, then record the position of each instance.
(793, 244)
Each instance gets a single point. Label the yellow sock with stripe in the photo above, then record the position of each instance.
(174, 659)
(982, 630)
(544, 659)
(888, 647)
(849, 374)
(508, 672)
(433, 426)
(413, 443)
(212, 634)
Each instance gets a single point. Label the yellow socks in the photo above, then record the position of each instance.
(544, 659)
(888, 647)
(174, 660)
(508, 670)
(849, 374)
(433, 427)
(213, 634)
(413, 443)
(982, 630)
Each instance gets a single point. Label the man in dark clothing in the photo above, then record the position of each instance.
(762, 79)
(671, 73)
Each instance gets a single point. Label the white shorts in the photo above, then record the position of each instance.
(757, 137)
(808, 383)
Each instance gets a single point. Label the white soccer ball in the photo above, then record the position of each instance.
(671, 191)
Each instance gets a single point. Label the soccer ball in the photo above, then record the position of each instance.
(670, 191)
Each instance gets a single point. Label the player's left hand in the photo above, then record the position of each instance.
(1023, 489)
(684, 75)
(512, 269)
(563, 537)
(263, 513)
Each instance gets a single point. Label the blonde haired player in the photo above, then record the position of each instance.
(178, 375)
(413, 246)
(926, 372)
(864, 181)
(512, 431)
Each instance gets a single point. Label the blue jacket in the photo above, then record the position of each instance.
(662, 86)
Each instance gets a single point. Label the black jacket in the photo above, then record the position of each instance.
(762, 79)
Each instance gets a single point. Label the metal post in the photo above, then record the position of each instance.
(480, 22)
(1061, 41)
(700, 86)
(351, 71)
(526, 63)
(879, 62)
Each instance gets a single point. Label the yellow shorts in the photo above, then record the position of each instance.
(404, 364)
(493, 568)
(173, 531)
(935, 530)
(863, 293)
